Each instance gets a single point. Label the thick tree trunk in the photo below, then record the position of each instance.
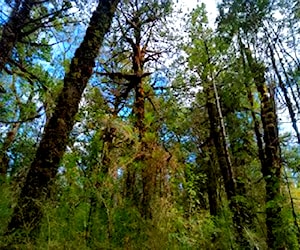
(136, 22)
(271, 167)
(28, 211)
(139, 108)
(139, 111)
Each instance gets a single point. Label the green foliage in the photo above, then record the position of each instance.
(5, 210)
(89, 206)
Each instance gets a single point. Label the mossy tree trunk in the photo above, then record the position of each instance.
(271, 164)
(28, 212)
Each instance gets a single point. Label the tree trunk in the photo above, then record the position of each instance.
(286, 95)
(218, 140)
(27, 214)
(271, 167)
(212, 185)
(136, 82)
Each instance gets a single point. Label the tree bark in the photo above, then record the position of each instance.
(219, 139)
(271, 167)
(28, 213)
(212, 185)
(219, 143)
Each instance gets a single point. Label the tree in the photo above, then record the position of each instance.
(271, 163)
(208, 71)
(22, 23)
(122, 147)
(28, 22)
(136, 36)
(247, 23)
(27, 214)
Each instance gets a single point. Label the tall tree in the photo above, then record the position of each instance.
(37, 187)
(208, 70)
(271, 164)
(247, 22)
(136, 34)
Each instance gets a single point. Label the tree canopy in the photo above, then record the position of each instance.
(129, 125)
